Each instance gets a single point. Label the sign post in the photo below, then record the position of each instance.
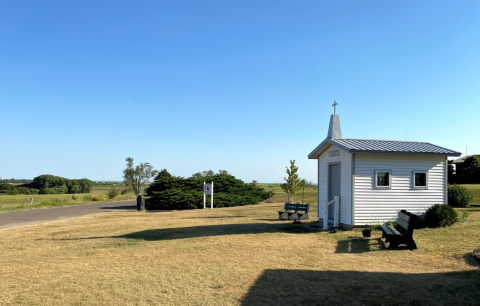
(208, 190)
(211, 196)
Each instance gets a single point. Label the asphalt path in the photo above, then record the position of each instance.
(36, 216)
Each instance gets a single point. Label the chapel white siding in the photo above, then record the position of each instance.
(345, 160)
(382, 205)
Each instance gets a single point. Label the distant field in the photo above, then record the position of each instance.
(310, 196)
(22, 202)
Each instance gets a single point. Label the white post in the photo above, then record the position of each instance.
(204, 196)
(211, 205)
(325, 214)
(336, 221)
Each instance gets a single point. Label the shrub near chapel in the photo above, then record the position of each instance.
(459, 196)
(440, 215)
(170, 192)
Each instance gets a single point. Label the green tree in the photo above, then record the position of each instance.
(197, 175)
(205, 174)
(113, 192)
(292, 183)
(470, 173)
(136, 176)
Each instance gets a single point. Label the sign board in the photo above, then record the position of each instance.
(334, 153)
(207, 189)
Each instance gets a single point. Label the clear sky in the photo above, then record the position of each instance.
(237, 85)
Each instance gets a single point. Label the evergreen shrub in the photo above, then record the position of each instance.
(170, 192)
(440, 215)
(459, 196)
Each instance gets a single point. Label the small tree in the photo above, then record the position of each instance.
(113, 192)
(206, 173)
(293, 183)
(137, 176)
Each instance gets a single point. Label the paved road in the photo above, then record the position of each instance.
(35, 216)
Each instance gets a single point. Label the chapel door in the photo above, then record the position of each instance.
(333, 187)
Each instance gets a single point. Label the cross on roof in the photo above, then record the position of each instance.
(334, 107)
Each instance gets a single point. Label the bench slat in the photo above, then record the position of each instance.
(404, 217)
(402, 224)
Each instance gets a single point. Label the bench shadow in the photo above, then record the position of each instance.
(471, 260)
(224, 217)
(356, 244)
(300, 287)
(204, 231)
(119, 207)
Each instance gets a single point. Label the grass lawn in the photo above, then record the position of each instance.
(231, 256)
(475, 189)
(22, 202)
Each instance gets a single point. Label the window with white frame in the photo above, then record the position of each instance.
(383, 179)
(420, 179)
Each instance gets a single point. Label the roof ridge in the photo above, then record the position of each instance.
(384, 140)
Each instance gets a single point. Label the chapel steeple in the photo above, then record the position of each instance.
(334, 130)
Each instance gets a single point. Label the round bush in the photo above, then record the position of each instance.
(459, 196)
(440, 215)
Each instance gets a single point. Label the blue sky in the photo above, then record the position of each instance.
(237, 85)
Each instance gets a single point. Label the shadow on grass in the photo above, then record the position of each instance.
(120, 207)
(356, 245)
(472, 261)
(300, 287)
(224, 217)
(208, 231)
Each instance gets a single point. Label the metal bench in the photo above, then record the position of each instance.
(294, 212)
(402, 233)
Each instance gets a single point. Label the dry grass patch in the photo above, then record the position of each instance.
(229, 256)
(475, 190)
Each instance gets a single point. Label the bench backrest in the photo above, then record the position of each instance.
(297, 207)
(406, 222)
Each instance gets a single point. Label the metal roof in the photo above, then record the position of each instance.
(385, 147)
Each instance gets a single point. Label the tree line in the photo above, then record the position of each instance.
(49, 184)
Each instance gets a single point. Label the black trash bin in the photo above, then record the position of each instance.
(140, 203)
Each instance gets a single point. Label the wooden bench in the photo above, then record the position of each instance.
(402, 233)
(294, 212)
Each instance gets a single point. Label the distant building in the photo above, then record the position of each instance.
(1, 178)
